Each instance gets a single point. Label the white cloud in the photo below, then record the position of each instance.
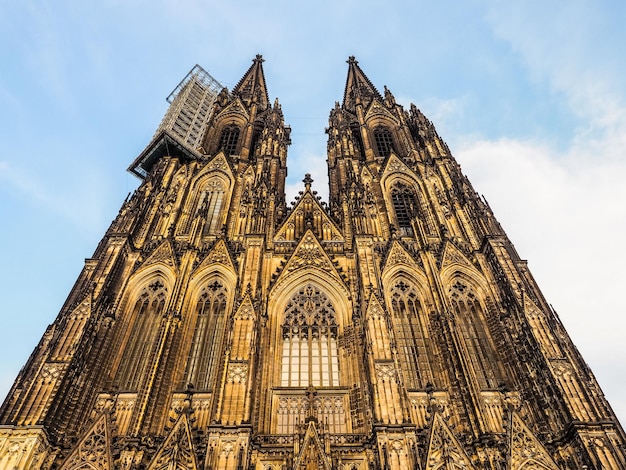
(564, 213)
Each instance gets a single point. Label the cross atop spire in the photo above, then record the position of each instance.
(251, 88)
(359, 89)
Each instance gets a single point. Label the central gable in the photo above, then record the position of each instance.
(308, 214)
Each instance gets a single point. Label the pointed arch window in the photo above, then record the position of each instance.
(229, 139)
(383, 141)
(211, 202)
(205, 353)
(410, 325)
(146, 314)
(309, 331)
(471, 324)
(405, 206)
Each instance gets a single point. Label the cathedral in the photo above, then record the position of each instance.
(219, 326)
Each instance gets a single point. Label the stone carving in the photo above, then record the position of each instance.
(93, 450)
(177, 452)
(396, 165)
(385, 371)
(444, 450)
(310, 254)
(397, 255)
(237, 372)
(453, 256)
(51, 372)
(526, 450)
(245, 311)
(162, 254)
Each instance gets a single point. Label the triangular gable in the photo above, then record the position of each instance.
(245, 310)
(310, 254)
(163, 254)
(453, 256)
(236, 108)
(94, 449)
(374, 308)
(444, 449)
(397, 254)
(218, 162)
(378, 109)
(307, 203)
(177, 452)
(525, 450)
(312, 451)
(395, 165)
(217, 255)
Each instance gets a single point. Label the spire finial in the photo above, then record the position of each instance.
(258, 59)
(307, 181)
(352, 60)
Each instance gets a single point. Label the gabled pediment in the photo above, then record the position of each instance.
(395, 165)
(379, 110)
(398, 254)
(218, 163)
(163, 254)
(177, 452)
(453, 256)
(526, 451)
(374, 308)
(308, 214)
(94, 448)
(234, 108)
(245, 311)
(312, 453)
(444, 449)
(309, 254)
(218, 254)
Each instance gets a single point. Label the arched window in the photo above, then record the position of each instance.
(204, 356)
(309, 355)
(470, 320)
(405, 206)
(211, 202)
(410, 325)
(383, 141)
(147, 313)
(229, 139)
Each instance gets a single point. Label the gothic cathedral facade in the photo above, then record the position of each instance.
(218, 327)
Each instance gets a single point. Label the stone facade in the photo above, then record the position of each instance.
(218, 327)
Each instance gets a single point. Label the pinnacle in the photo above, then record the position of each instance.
(307, 181)
(359, 89)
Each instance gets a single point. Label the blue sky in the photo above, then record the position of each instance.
(530, 96)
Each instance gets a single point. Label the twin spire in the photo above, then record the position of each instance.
(359, 89)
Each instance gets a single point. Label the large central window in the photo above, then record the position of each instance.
(415, 350)
(204, 356)
(383, 141)
(229, 139)
(138, 352)
(309, 355)
(405, 207)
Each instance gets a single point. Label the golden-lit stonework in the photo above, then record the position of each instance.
(218, 327)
